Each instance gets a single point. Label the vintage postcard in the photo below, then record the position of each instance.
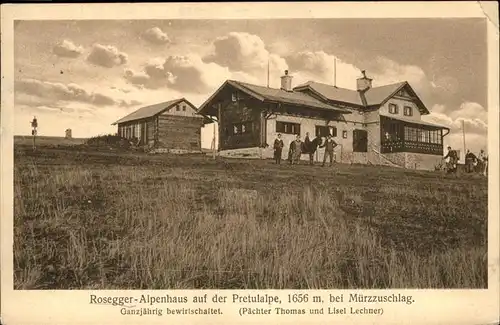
(256, 163)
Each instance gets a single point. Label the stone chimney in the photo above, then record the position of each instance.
(286, 82)
(364, 83)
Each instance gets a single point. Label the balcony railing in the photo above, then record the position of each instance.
(412, 146)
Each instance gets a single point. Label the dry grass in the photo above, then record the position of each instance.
(121, 221)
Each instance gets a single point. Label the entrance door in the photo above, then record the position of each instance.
(360, 141)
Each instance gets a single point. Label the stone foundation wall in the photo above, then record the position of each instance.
(174, 151)
(401, 159)
(253, 153)
(422, 161)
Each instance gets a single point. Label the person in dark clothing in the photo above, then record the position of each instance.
(306, 144)
(310, 147)
(295, 150)
(278, 148)
(313, 147)
(453, 160)
(470, 159)
(329, 146)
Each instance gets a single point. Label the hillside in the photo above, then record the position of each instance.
(102, 220)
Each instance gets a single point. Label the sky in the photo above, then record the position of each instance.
(85, 75)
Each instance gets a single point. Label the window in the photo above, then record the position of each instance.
(393, 108)
(242, 128)
(408, 111)
(177, 108)
(234, 97)
(425, 136)
(183, 108)
(344, 134)
(435, 136)
(323, 131)
(287, 128)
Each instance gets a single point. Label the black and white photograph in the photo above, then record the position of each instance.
(250, 154)
(238, 160)
(231, 162)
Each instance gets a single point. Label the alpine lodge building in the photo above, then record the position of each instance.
(371, 125)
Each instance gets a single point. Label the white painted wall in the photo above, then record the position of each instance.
(401, 103)
(309, 125)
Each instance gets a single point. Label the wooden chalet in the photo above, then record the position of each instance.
(170, 126)
(378, 125)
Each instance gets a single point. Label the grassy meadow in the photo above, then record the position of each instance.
(108, 220)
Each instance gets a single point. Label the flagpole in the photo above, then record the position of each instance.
(335, 72)
(463, 134)
(268, 72)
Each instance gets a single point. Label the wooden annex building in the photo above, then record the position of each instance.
(377, 125)
(170, 126)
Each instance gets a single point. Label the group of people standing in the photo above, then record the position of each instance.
(473, 163)
(298, 147)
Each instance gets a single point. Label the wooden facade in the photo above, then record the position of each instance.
(240, 125)
(175, 126)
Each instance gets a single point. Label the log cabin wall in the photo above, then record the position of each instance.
(179, 132)
(151, 131)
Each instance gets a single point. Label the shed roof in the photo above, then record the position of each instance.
(420, 122)
(151, 110)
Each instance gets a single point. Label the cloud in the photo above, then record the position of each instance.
(45, 92)
(156, 36)
(319, 66)
(446, 84)
(107, 56)
(67, 49)
(182, 73)
(245, 52)
(386, 71)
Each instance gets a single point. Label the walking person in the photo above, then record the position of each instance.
(329, 146)
(452, 160)
(278, 149)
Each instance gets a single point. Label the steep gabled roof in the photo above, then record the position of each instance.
(274, 95)
(374, 96)
(151, 110)
(378, 95)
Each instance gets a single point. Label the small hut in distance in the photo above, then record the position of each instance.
(172, 126)
(68, 134)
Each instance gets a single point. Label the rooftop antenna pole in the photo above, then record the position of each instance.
(267, 72)
(335, 72)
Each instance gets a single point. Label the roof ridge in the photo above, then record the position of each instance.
(392, 84)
